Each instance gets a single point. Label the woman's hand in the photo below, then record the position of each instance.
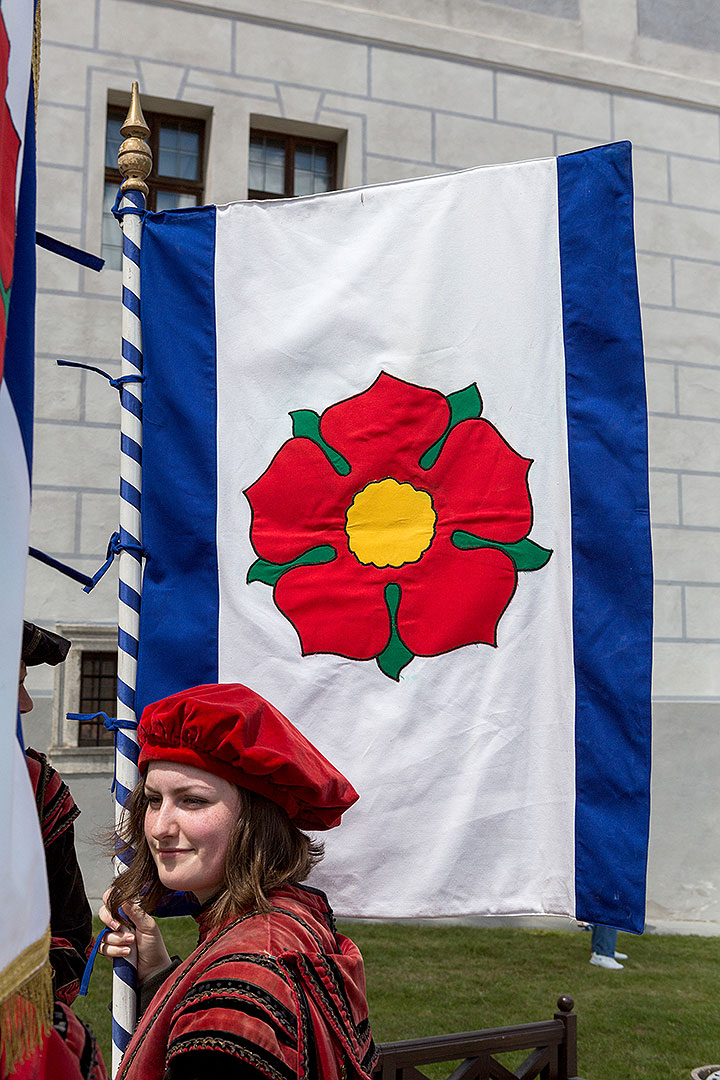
(145, 935)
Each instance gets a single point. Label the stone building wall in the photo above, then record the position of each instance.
(409, 87)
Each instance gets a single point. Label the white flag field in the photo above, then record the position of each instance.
(25, 978)
(395, 480)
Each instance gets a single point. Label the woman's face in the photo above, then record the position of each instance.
(188, 822)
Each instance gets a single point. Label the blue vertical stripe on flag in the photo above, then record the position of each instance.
(178, 641)
(612, 568)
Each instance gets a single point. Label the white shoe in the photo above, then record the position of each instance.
(605, 962)
(621, 956)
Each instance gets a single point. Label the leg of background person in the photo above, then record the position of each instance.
(604, 939)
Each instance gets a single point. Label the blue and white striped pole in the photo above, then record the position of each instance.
(134, 162)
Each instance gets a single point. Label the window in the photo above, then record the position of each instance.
(178, 149)
(98, 690)
(282, 166)
(85, 683)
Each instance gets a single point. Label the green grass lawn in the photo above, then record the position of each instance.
(656, 1020)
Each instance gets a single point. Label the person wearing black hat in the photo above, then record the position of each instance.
(71, 937)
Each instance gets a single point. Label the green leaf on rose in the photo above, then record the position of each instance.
(464, 405)
(525, 553)
(396, 655)
(270, 573)
(306, 425)
(6, 297)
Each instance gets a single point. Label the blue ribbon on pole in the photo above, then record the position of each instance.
(85, 981)
(69, 571)
(117, 383)
(119, 213)
(68, 251)
(111, 724)
(115, 546)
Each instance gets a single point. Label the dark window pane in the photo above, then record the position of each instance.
(111, 231)
(98, 689)
(303, 183)
(256, 176)
(113, 140)
(267, 165)
(313, 170)
(304, 160)
(172, 200)
(179, 152)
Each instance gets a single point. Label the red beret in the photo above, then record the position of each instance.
(230, 731)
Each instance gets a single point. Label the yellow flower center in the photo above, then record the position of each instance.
(389, 524)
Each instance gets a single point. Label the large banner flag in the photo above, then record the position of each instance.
(25, 978)
(395, 479)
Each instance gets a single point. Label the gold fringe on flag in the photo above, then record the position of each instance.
(36, 56)
(26, 1003)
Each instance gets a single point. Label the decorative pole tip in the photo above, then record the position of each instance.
(134, 155)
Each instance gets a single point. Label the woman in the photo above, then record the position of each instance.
(272, 990)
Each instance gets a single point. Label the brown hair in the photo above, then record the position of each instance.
(265, 851)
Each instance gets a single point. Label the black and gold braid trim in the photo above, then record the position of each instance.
(240, 1048)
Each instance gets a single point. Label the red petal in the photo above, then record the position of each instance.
(336, 608)
(385, 430)
(298, 502)
(479, 484)
(452, 598)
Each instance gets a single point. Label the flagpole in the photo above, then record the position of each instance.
(134, 163)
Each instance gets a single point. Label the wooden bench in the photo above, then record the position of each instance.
(552, 1046)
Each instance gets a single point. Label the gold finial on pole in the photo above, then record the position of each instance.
(134, 155)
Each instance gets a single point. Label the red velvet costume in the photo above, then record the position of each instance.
(70, 915)
(280, 996)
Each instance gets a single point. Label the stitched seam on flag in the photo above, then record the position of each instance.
(235, 1045)
(128, 1059)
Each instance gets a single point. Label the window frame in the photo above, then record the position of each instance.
(290, 140)
(99, 733)
(65, 750)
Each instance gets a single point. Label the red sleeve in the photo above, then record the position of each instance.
(243, 1006)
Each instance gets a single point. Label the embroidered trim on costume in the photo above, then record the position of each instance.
(235, 1045)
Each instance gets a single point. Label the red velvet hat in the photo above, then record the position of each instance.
(230, 731)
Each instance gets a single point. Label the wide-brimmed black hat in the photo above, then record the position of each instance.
(41, 646)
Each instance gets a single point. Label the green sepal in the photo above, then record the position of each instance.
(464, 405)
(525, 553)
(306, 425)
(270, 573)
(396, 655)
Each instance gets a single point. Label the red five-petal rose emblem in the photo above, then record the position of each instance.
(394, 525)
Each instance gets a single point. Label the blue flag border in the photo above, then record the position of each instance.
(612, 555)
